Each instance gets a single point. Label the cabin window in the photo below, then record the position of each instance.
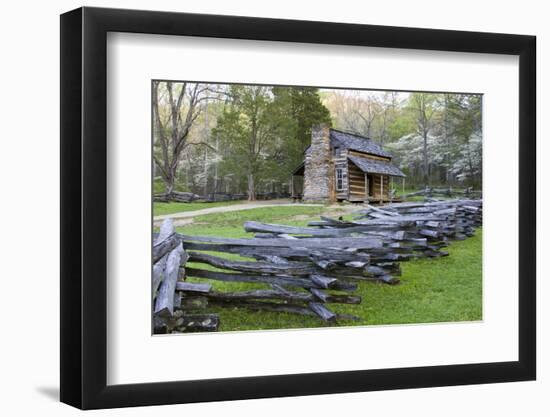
(339, 179)
(337, 152)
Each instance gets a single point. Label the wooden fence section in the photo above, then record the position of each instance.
(181, 197)
(186, 197)
(302, 268)
(436, 220)
(292, 286)
(445, 192)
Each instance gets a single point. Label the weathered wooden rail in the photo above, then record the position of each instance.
(436, 220)
(178, 196)
(292, 286)
(186, 197)
(444, 192)
(301, 269)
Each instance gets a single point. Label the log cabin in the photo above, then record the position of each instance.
(343, 166)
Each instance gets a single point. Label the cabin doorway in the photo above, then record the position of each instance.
(369, 185)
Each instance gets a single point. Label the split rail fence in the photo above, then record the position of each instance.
(303, 269)
(430, 192)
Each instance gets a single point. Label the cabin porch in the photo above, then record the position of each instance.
(367, 186)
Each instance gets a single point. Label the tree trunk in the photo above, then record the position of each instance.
(205, 171)
(425, 159)
(251, 188)
(169, 184)
(447, 142)
(471, 168)
(216, 164)
(171, 177)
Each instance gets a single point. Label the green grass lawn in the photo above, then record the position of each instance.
(173, 207)
(431, 290)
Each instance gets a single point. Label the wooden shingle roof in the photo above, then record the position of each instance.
(347, 140)
(373, 166)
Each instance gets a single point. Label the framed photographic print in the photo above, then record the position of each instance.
(257, 208)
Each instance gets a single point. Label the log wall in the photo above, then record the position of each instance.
(377, 192)
(356, 183)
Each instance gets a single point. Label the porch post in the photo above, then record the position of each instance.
(366, 199)
(381, 188)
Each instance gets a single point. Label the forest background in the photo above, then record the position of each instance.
(247, 139)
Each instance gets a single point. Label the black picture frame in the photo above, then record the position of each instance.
(84, 207)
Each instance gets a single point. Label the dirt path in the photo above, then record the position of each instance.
(186, 217)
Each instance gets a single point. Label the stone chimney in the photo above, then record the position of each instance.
(319, 170)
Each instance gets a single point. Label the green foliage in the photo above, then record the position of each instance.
(247, 138)
(435, 138)
(295, 110)
(401, 126)
(303, 106)
(464, 123)
(246, 131)
(264, 131)
(431, 290)
(158, 186)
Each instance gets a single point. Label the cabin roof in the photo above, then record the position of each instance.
(356, 142)
(373, 166)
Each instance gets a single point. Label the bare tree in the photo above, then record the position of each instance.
(176, 106)
(368, 110)
(357, 111)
